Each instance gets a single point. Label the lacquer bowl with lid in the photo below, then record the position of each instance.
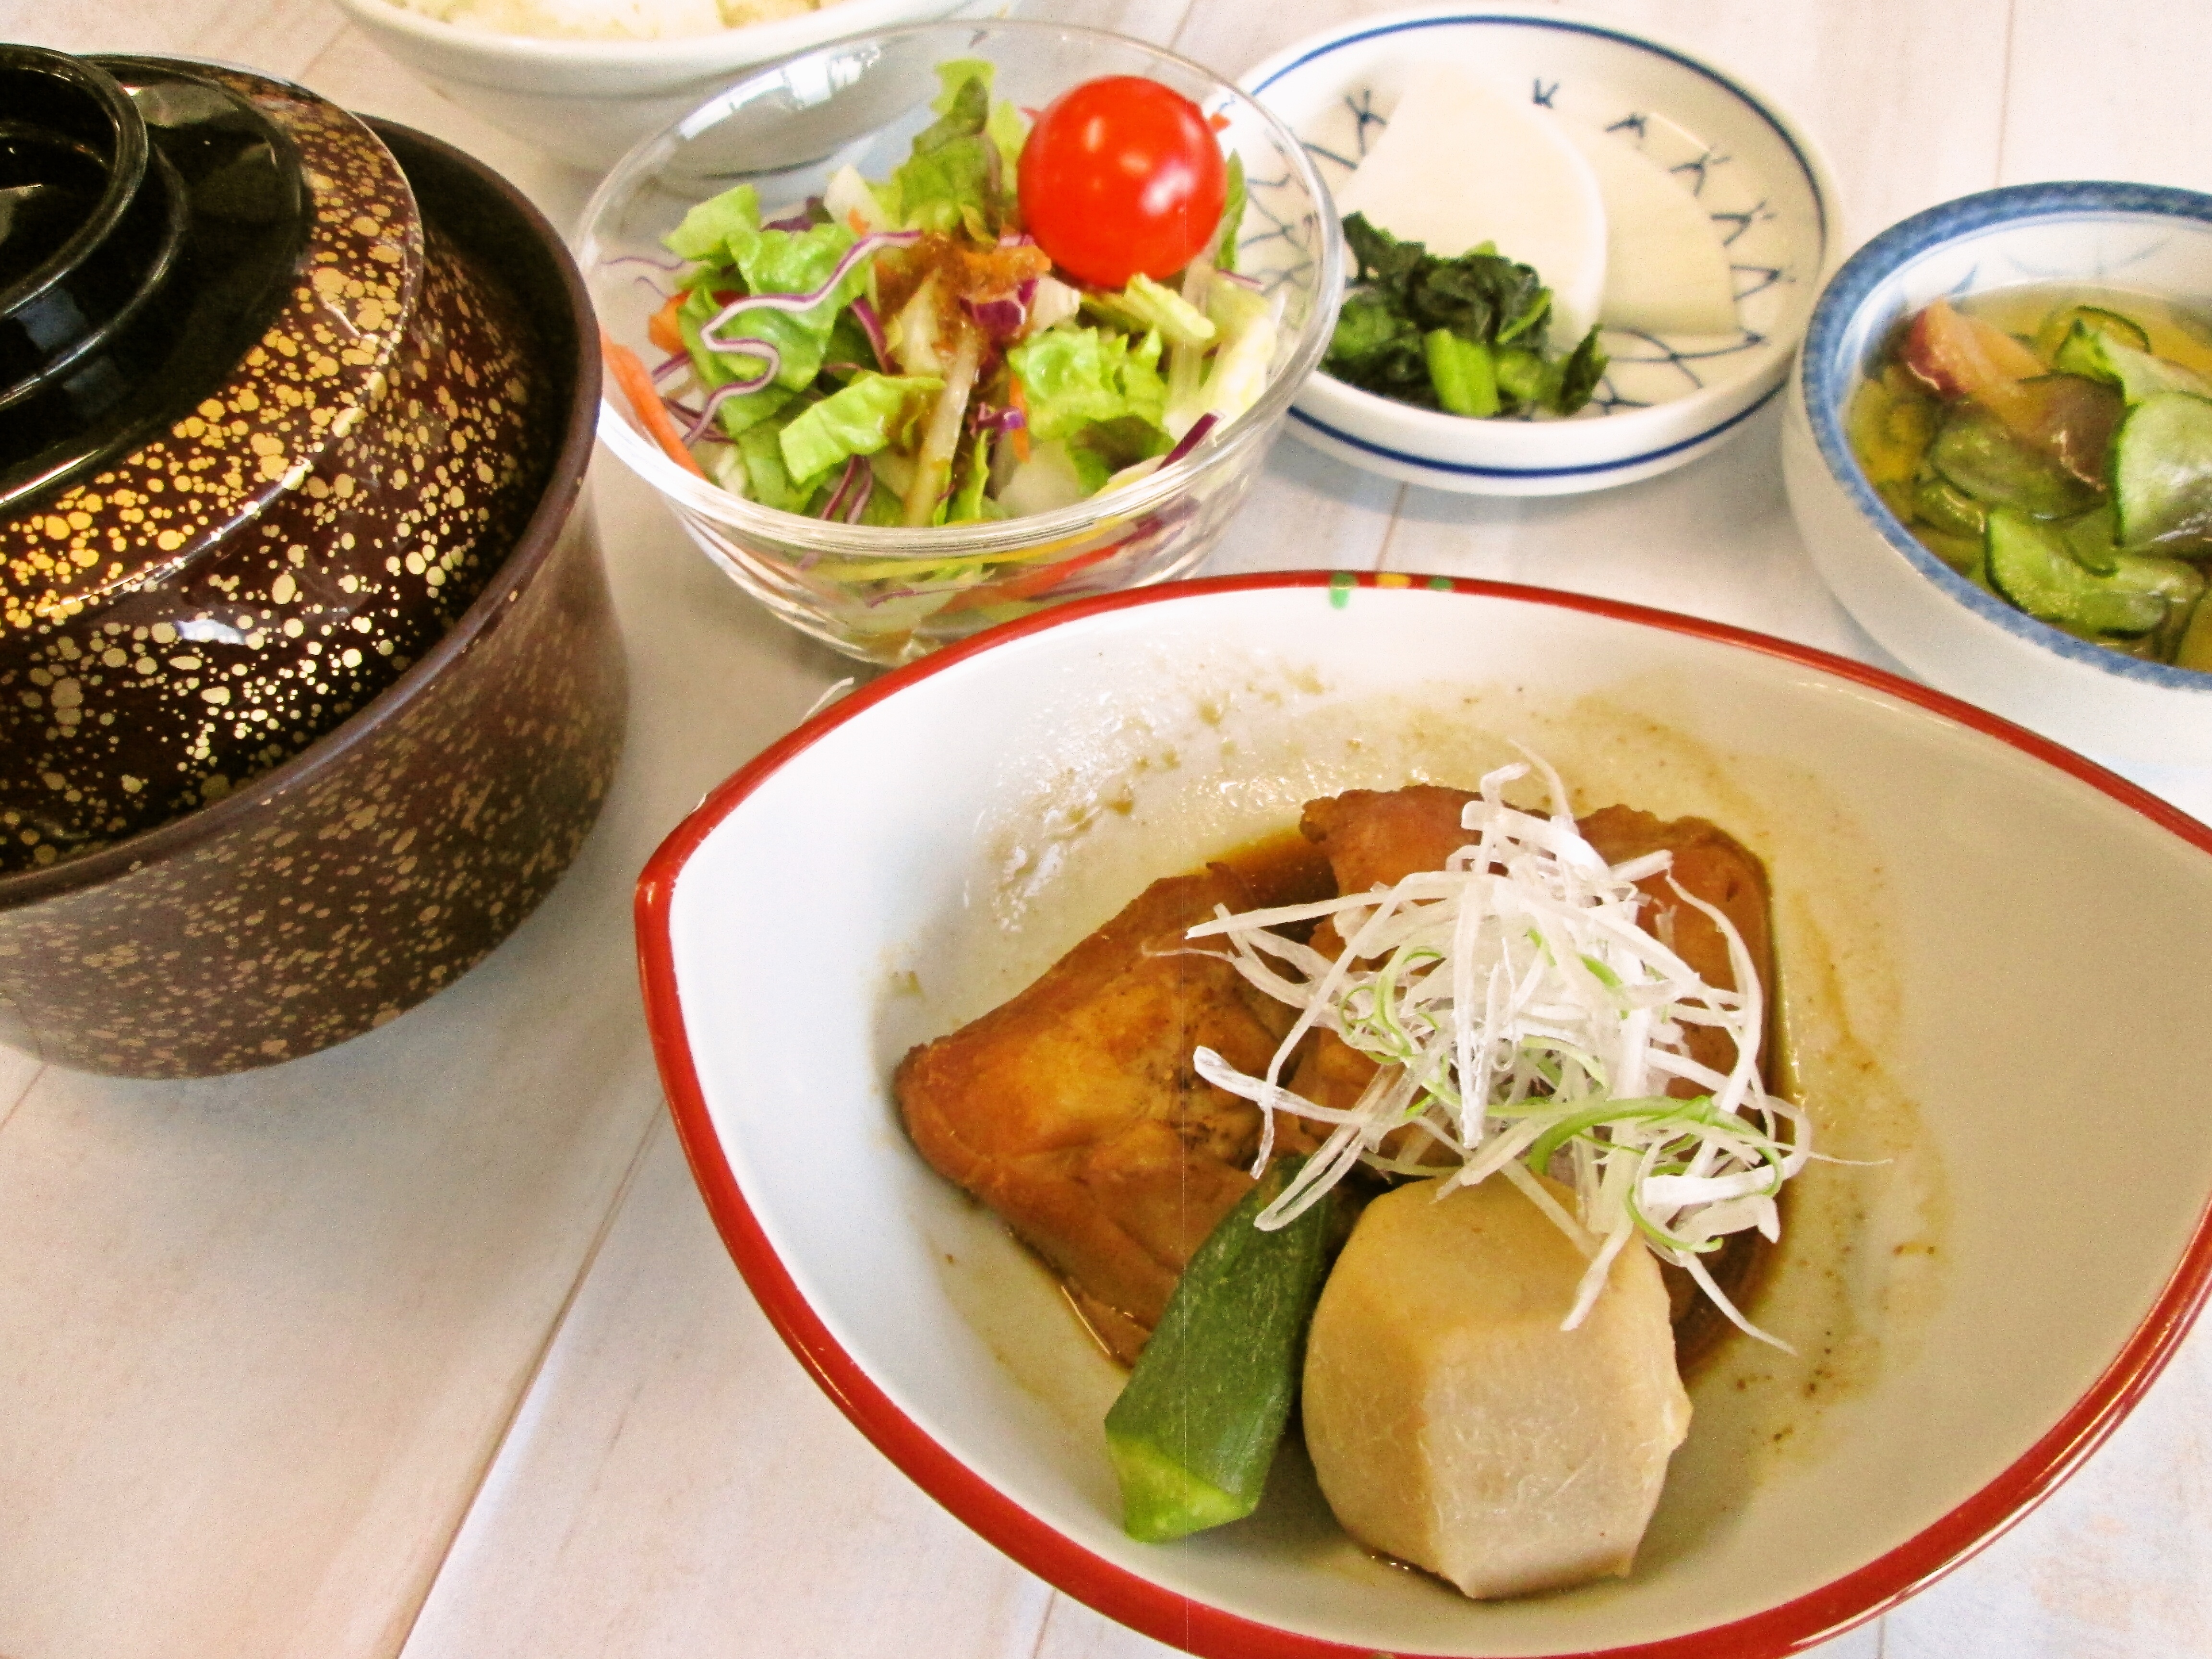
(288, 451)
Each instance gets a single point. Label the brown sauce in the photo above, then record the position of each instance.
(1740, 1267)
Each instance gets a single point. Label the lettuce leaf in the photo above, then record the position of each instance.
(886, 502)
(1232, 215)
(719, 369)
(738, 256)
(858, 419)
(770, 481)
(800, 262)
(1105, 447)
(1072, 378)
(956, 177)
(968, 500)
(706, 230)
(1145, 304)
(1238, 374)
(1009, 130)
(964, 91)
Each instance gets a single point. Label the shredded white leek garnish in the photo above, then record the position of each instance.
(1522, 1022)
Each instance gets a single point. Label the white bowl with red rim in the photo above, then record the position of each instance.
(1978, 1299)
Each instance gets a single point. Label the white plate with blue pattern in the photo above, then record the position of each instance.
(1664, 400)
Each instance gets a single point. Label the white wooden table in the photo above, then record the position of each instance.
(425, 1347)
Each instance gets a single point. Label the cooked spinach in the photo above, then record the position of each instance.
(1464, 334)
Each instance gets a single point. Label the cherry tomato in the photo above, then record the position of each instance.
(1122, 175)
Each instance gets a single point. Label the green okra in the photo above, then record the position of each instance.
(1195, 1428)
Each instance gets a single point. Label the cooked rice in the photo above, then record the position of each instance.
(609, 20)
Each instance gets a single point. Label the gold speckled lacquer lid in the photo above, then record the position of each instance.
(322, 364)
(350, 878)
(187, 614)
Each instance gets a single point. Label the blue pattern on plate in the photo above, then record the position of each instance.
(1461, 470)
(1646, 368)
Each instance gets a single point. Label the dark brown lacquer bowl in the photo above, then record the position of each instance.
(310, 688)
(210, 564)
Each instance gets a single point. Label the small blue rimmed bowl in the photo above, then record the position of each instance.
(1958, 636)
(1665, 399)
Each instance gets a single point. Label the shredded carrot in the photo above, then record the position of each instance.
(1030, 583)
(859, 225)
(1019, 399)
(1218, 121)
(645, 402)
(662, 330)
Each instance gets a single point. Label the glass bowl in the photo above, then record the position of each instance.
(888, 595)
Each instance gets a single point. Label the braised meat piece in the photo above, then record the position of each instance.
(1376, 838)
(1373, 838)
(1709, 864)
(1074, 1111)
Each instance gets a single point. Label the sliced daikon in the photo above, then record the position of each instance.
(1665, 268)
(1460, 165)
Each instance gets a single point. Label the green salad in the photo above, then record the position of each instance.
(915, 351)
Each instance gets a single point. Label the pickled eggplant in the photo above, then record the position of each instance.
(1977, 451)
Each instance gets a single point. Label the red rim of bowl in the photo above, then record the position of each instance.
(1195, 1626)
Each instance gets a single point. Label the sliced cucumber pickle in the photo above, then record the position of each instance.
(2050, 338)
(2161, 472)
(1890, 429)
(2181, 584)
(2195, 648)
(2030, 564)
(1979, 453)
(2096, 355)
(1897, 494)
(1962, 553)
(1946, 508)
(2089, 539)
